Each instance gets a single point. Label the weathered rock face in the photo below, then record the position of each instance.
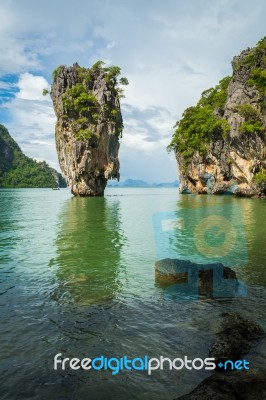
(232, 161)
(89, 124)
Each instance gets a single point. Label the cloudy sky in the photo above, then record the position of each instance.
(169, 50)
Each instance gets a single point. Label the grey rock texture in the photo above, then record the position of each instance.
(232, 162)
(87, 161)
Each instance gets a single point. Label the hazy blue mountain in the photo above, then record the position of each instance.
(140, 183)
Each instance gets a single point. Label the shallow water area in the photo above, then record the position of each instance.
(77, 278)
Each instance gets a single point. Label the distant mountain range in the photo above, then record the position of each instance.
(137, 183)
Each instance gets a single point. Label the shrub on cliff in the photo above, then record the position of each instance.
(205, 122)
(80, 104)
(199, 123)
(254, 62)
(252, 119)
(260, 178)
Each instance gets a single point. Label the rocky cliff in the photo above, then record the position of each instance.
(19, 171)
(89, 124)
(220, 142)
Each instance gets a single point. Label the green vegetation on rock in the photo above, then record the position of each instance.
(123, 81)
(205, 122)
(260, 178)
(254, 61)
(111, 74)
(253, 122)
(251, 66)
(56, 72)
(224, 130)
(20, 171)
(201, 123)
(81, 106)
(98, 65)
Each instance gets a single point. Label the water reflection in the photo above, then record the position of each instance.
(203, 230)
(254, 214)
(213, 229)
(10, 237)
(252, 229)
(88, 251)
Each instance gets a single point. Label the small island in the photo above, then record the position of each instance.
(89, 124)
(220, 142)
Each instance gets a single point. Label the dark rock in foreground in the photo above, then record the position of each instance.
(210, 279)
(237, 385)
(237, 336)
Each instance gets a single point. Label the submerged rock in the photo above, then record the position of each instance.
(210, 279)
(236, 337)
(89, 124)
(237, 385)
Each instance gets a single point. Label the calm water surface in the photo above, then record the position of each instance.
(77, 277)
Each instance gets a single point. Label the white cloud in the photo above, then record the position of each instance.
(15, 56)
(32, 119)
(170, 52)
(31, 87)
(138, 141)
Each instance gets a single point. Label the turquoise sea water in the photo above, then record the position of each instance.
(77, 278)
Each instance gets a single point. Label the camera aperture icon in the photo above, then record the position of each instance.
(215, 236)
(200, 243)
(202, 234)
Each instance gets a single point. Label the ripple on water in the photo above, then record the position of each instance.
(77, 277)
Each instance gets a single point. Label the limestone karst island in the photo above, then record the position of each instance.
(220, 143)
(132, 246)
(89, 124)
